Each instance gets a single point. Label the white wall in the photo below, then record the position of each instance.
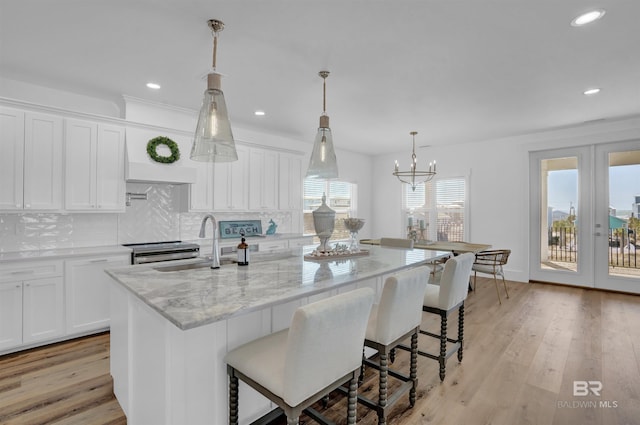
(498, 183)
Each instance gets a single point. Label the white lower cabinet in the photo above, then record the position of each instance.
(273, 245)
(87, 292)
(298, 242)
(31, 304)
(10, 315)
(43, 309)
(48, 301)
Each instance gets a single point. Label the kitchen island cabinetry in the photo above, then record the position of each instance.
(94, 166)
(170, 330)
(87, 292)
(31, 161)
(32, 301)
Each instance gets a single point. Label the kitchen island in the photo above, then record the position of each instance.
(172, 324)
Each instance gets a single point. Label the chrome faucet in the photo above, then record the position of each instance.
(215, 256)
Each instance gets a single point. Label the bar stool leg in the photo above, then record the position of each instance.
(353, 401)
(382, 397)
(233, 398)
(293, 421)
(413, 368)
(443, 344)
(361, 377)
(460, 330)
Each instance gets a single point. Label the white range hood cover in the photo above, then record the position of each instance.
(139, 167)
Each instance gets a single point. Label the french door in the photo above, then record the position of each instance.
(584, 216)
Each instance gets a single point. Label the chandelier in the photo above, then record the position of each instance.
(413, 176)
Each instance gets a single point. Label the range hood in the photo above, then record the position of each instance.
(139, 167)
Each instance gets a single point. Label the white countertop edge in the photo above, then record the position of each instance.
(61, 253)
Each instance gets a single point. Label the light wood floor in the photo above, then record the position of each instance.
(521, 359)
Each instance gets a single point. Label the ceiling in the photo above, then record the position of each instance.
(455, 71)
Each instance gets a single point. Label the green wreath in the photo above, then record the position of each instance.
(161, 140)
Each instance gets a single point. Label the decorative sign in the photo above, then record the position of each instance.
(235, 229)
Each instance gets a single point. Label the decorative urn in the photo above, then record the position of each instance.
(323, 222)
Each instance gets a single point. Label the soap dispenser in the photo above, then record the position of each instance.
(243, 253)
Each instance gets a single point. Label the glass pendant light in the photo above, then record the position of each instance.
(323, 164)
(213, 139)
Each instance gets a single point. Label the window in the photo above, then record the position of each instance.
(437, 209)
(340, 197)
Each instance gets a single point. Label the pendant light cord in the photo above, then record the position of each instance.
(324, 95)
(216, 26)
(215, 48)
(324, 75)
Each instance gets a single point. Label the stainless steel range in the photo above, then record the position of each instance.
(154, 252)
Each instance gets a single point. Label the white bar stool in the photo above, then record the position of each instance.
(445, 298)
(294, 368)
(396, 318)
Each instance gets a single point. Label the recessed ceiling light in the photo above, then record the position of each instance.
(587, 18)
(259, 113)
(592, 91)
(153, 86)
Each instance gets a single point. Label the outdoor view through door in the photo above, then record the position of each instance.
(587, 207)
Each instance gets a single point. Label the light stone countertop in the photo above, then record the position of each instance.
(200, 296)
(61, 253)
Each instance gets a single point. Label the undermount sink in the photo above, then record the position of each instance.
(191, 266)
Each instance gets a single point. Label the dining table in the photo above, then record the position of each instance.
(455, 247)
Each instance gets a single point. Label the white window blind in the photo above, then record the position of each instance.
(442, 204)
(450, 209)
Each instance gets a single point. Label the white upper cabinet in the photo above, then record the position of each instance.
(230, 183)
(290, 182)
(110, 184)
(12, 158)
(94, 166)
(201, 192)
(263, 179)
(31, 161)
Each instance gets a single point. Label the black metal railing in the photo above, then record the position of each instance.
(623, 247)
(563, 244)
